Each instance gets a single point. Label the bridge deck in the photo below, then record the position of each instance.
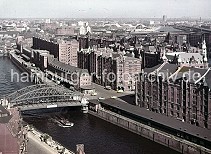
(45, 96)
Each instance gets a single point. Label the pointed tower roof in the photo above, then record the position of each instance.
(133, 54)
(123, 52)
(204, 45)
(140, 57)
(179, 60)
(204, 50)
(89, 49)
(164, 55)
(111, 56)
(205, 59)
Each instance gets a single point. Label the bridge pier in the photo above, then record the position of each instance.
(84, 109)
(4, 102)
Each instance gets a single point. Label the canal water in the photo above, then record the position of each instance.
(98, 136)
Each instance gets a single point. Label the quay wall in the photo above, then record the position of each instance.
(18, 64)
(173, 142)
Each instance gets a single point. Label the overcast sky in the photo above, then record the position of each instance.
(104, 8)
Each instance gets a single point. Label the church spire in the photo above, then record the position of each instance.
(204, 50)
(164, 56)
(179, 60)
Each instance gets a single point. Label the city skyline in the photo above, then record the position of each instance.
(104, 9)
(77, 74)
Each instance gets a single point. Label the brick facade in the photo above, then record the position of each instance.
(187, 101)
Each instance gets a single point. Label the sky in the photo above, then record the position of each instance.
(104, 8)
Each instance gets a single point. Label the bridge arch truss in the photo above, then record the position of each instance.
(41, 94)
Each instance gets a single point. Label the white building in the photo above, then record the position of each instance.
(47, 21)
(85, 28)
(88, 29)
(82, 30)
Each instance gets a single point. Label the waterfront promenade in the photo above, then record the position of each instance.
(36, 144)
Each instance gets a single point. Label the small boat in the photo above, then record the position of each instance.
(66, 123)
(63, 122)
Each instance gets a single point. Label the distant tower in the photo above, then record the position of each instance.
(123, 52)
(140, 57)
(204, 50)
(88, 29)
(164, 18)
(179, 60)
(133, 54)
(111, 56)
(80, 23)
(164, 58)
(48, 21)
(82, 30)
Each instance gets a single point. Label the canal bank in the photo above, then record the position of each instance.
(20, 63)
(35, 146)
(97, 135)
(44, 143)
(111, 114)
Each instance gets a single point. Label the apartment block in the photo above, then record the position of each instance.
(108, 68)
(63, 50)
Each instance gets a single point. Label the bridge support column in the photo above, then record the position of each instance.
(84, 109)
(5, 103)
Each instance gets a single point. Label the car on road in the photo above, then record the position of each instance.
(108, 87)
(101, 98)
(94, 94)
(113, 97)
(120, 91)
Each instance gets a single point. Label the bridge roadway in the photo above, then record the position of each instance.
(35, 106)
(42, 96)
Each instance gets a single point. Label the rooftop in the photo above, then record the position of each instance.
(173, 71)
(67, 68)
(167, 29)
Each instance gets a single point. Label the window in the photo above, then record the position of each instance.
(177, 115)
(194, 109)
(178, 107)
